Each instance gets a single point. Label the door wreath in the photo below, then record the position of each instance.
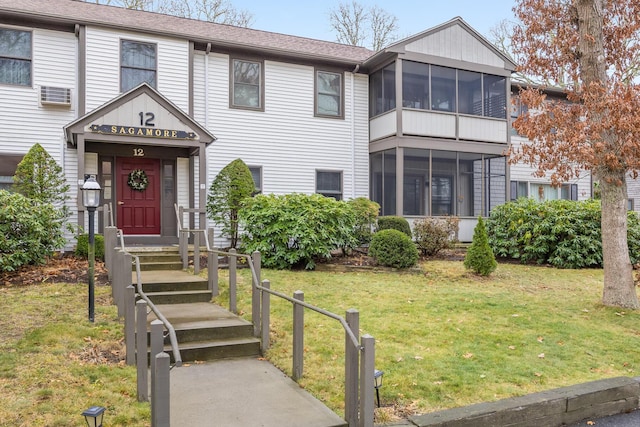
(138, 180)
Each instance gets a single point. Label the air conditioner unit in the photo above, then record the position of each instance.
(50, 95)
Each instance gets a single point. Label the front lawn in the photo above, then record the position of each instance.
(446, 338)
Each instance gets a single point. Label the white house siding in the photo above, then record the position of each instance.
(456, 43)
(286, 140)
(524, 172)
(103, 66)
(24, 121)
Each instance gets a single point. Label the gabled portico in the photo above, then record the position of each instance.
(147, 154)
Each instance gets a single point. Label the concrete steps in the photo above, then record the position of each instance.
(208, 332)
(204, 330)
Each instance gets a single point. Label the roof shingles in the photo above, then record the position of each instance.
(228, 36)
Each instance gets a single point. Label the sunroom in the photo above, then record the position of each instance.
(439, 127)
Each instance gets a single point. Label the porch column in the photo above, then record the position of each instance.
(202, 219)
(80, 181)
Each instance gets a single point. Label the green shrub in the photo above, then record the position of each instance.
(82, 247)
(295, 229)
(479, 257)
(366, 212)
(393, 248)
(434, 234)
(563, 233)
(228, 190)
(391, 222)
(28, 233)
(40, 178)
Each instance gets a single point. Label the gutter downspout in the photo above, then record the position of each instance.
(353, 131)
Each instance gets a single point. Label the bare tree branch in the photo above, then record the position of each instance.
(383, 27)
(348, 21)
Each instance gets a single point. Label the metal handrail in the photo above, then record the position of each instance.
(172, 333)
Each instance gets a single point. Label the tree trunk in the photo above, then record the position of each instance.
(619, 287)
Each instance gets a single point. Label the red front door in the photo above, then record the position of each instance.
(138, 209)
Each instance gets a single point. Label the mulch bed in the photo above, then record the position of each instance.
(58, 269)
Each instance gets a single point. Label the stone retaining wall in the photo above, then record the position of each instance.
(548, 408)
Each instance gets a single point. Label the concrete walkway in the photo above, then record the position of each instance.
(243, 393)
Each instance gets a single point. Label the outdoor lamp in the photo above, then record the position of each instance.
(91, 193)
(91, 200)
(377, 378)
(93, 416)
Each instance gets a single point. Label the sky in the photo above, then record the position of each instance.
(307, 18)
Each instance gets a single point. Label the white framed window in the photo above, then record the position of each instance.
(15, 57)
(138, 64)
(329, 94)
(329, 183)
(256, 173)
(246, 84)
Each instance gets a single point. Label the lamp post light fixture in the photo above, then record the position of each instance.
(91, 200)
(377, 378)
(93, 416)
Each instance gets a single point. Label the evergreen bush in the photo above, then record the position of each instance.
(391, 222)
(296, 229)
(393, 248)
(479, 257)
(563, 233)
(434, 234)
(366, 212)
(228, 191)
(28, 233)
(82, 246)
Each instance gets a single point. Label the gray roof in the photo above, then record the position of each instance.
(219, 35)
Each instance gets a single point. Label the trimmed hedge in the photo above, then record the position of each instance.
(393, 248)
(563, 233)
(82, 247)
(295, 230)
(391, 222)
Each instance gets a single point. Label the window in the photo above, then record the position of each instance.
(517, 109)
(415, 85)
(469, 93)
(137, 64)
(328, 94)
(329, 184)
(382, 90)
(542, 191)
(443, 89)
(495, 96)
(246, 87)
(256, 173)
(8, 166)
(15, 57)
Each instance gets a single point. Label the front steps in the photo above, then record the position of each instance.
(204, 330)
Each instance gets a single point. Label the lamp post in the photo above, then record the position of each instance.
(93, 416)
(91, 200)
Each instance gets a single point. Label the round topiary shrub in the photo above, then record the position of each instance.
(393, 248)
(391, 222)
(82, 248)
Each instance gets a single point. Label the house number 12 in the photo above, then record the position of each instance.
(138, 152)
(150, 118)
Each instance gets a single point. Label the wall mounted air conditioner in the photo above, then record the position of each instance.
(50, 95)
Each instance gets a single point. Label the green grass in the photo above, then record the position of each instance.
(444, 338)
(447, 338)
(53, 361)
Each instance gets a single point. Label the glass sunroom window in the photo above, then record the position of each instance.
(382, 90)
(495, 96)
(469, 93)
(137, 64)
(15, 57)
(443, 89)
(415, 85)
